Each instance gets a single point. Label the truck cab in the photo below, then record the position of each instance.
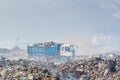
(67, 50)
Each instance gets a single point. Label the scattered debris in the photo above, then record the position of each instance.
(91, 69)
(84, 69)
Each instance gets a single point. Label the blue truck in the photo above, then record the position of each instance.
(51, 50)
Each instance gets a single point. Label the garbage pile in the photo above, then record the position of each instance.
(24, 70)
(46, 44)
(86, 69)
(90, 69)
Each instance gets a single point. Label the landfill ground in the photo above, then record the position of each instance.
(94, 68)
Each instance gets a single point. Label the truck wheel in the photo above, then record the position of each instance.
(43, 58)
(64, 59)
(35, 58)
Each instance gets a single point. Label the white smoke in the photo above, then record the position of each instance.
(102, 43)
(14, 54)
(101, 40)
(82, 42)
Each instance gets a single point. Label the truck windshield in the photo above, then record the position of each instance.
(72, 48)
(67, 49)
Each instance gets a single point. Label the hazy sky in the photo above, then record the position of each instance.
(94, 25)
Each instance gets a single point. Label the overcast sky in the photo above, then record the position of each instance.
(94, 25)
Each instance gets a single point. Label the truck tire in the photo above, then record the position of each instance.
(35, 58)
(43, 58)
(64, 59)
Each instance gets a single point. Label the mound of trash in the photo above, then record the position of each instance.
(94, 68)
(25, 70)
(90, 69)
